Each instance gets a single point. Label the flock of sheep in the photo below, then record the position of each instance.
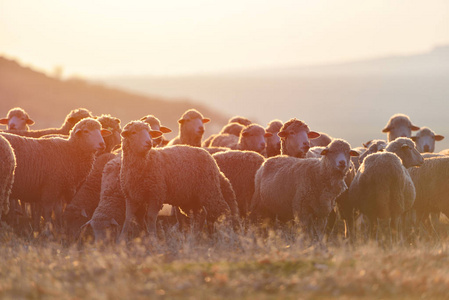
(90, 173)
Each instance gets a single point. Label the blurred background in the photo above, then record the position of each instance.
(344, 67)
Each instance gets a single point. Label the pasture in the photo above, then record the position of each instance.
(276, 264)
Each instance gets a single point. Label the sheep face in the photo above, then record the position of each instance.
(194, 127)
(155, 124)
(296, 142)
(17, 119)
(338, 155)
(425, 140)
(273, 145)
(89, 134)
(253, 137)
(399, 125)
(407, 152)
(139, 137)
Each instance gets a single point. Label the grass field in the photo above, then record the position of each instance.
(275, 265)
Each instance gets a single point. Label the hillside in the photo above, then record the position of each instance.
(353, 100)
(48, 100)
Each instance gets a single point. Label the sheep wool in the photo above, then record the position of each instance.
(72, 118)
(7, 167)
(288, 188)
(49, 170)
(183, 176)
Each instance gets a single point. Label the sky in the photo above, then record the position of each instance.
(93, 38)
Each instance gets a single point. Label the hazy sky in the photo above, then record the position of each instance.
(167, 37)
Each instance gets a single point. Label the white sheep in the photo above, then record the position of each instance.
(240, 168)
(155, 124)
(7, 167)
(17, 119)
(72, 118)
(191, 129)
(383, 189)
(49, 170)
(252, 138)
(230, 128)
(425, 140)
(288, 188)
(273, 142)
(295, 136)
(323, 140)
(399, 125)
(183, 176)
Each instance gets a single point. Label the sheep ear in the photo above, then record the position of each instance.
(206, 120)
(181, 121)
(282, 134)
(268, 134)
(30, 122)
(164, 129)
(313, 135)
(414, 138)
(415, 128)
(83, 213)
(438, 137)
(125, 133)
(4, 121)
(386, 129)
(367, 143)
(325, 151)
(71, 120)
(114, 222)
(105, 132)
(155, 133)
(405, 146)
(143, 118)
(353, 153)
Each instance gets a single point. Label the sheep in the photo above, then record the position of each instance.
(432, 189)
(183, 176)
(109, 215)
(382, 189)
(8, 165)
(399, 125)
(274, 142)
(87, 197)
(375, 146)
(191, 129)
(240, 168)
(290, 188)
(113, 125)
(295, 136)
(17, 119)
(252, 138)
(49, 170)
(155, 124)
(425, 140)
(72, 118)
(230, 128)
(241, 120)
(323, 140)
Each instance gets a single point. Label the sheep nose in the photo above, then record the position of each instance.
(341, 164)
(306, 148)
(102, 145)
(262, 145)
(426, 148)
(201, 129)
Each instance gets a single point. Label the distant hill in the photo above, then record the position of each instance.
(353, 100)
(48, 100)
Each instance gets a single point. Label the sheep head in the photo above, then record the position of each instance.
(89, 134)
(295, 136)
(138, 136)
(399, 125)
(338, 154)
(17, 119)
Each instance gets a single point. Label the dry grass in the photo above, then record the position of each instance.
(228, 265)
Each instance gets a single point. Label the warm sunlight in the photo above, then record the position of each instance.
(114, 37)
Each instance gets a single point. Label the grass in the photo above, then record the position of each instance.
(277, 265)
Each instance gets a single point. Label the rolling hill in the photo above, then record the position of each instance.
(48, 100)
(351, 100)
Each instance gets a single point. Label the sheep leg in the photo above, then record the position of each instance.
(151, 218)
(384, 232)
(130, 220)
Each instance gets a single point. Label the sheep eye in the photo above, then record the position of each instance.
(133, 132)
(86, 131)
